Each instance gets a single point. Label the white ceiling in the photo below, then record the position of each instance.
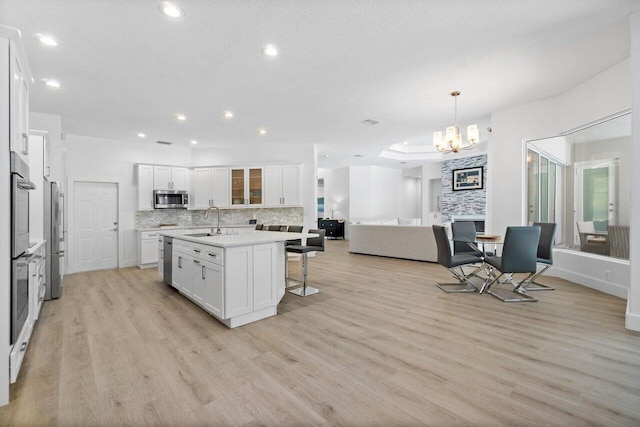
(125, 68)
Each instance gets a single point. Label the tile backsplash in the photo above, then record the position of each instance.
(228, 217)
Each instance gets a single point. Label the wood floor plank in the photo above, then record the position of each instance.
(380, 345)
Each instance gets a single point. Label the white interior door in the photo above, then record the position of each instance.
(596, 192)
(95, 226)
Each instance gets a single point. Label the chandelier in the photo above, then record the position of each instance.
(452, 142)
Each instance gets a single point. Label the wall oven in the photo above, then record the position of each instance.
(20, 186)
(170, 199)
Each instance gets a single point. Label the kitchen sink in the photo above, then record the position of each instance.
(201, 235)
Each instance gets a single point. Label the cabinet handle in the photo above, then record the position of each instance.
(23, 347)
(179, 262)
(203, 272)
(196, 251)
(212, 255)
(196, 261)
(25, 143)
(161, 253)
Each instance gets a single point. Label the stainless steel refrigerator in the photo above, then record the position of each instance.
(53, 232)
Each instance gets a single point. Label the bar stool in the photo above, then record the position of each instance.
(314, 244)
(291, 229)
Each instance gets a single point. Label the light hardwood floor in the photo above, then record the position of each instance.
(380, 345)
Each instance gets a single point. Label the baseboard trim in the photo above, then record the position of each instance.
(610, 288)
(632, 321)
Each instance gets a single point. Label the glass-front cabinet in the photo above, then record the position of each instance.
(246, 186)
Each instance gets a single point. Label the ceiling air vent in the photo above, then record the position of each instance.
(164, 142)
(370, 122)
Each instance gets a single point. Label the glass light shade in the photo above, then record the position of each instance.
(457, 143)
(452, 132)
(473, 134)
(437, 139)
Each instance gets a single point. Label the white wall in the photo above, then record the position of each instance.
(264, 154)
(410, 198)
(601, 96)
(633, 305)
(431, 174)
(104, 160)
(376, 192)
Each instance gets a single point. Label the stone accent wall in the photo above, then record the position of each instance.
(228, 217)
(465, 202)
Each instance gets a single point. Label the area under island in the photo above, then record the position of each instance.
(237, 278)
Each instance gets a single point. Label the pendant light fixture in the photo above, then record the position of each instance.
(452, 141)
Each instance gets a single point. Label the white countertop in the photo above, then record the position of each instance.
(187, 227)
(242, 239)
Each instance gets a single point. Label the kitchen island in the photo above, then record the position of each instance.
(238, 278)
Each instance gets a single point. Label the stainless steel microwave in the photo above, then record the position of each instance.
(170, 199)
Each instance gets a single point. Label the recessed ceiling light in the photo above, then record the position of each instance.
(193, 142)
(358, 155)
(180, 117)
(262, 131)
(142, 135)
(370, 122)
(52, 83)
(228, 114)
(46, 40)
(270, 50)
(170, 9)
(405, 143)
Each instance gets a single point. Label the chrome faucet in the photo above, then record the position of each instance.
(206, 215)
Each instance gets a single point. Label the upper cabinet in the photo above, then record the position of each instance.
(19, 83)
(246, 186)
(145, 187)
(170, 178)
(210, 188)
(282, 185)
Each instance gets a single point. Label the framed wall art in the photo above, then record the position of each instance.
(467, 179)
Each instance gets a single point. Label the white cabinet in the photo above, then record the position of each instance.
(170, 178)
(239, 272)
(161, 256)
(210, 188)
(213, 280)
(238, 284)
(246, 186)
(20, 81)
(282, 185)
(147, 249)
(434, 218)
(145, 187)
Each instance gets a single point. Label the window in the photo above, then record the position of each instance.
(580, 180)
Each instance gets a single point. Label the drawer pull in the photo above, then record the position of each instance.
(196, 251)
(196, 261)
(213, 255)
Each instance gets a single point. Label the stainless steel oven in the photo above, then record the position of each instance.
(20, 186)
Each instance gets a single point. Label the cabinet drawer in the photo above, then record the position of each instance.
(148, 234)
(213, 254)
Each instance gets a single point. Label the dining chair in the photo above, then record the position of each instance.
(545, 256)
(276, 227)
(463, 232)
(451, 262)
(259, 226)
(519, 255)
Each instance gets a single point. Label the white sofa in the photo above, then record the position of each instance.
(415, 242)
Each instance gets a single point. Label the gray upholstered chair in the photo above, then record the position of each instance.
(592, 241)
(451, 262)
(463, 232)
(519, 255)
(618, 241)
(276, 228)
(259, 226)
(314, 244)
(545, 255)
(294, 229)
